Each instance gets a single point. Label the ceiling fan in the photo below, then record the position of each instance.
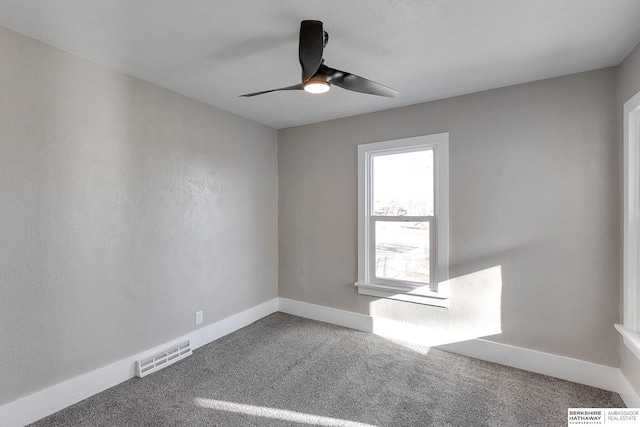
(317, 77)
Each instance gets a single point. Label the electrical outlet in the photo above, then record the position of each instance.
(198, 317)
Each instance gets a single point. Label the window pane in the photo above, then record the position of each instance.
(402, 250)
(403, 184)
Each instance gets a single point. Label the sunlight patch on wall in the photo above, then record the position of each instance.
(475, 312)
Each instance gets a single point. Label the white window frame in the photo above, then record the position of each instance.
(437, 293)
(630, 329)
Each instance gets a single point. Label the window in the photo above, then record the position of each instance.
(403, 239)
(630, 330)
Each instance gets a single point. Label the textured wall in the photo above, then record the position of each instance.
(628, 86)
(534, 190)
(124, 209)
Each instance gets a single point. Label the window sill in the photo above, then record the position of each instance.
(418, 296)
(631, 339)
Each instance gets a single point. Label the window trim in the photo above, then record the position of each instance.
(437, 293)
(630, 329)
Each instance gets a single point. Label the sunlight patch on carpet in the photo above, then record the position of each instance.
(274, 413)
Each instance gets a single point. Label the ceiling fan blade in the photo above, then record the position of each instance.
(294, 87)
(358, 84)
(312, 41)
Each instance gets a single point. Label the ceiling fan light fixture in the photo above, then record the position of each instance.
(316, 76)
(317, 86)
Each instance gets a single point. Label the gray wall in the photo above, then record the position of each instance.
(628, 85)
(628, 78)
(124, 209)
(534, 195)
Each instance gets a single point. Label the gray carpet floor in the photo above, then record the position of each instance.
(288, 371)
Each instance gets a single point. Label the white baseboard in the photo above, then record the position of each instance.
(566, 368)
(348, 319)
(232, 323)
(57, 397)
(627, 393)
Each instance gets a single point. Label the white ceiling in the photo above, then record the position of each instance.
(214, 51)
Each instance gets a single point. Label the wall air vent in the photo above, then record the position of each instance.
(163, 359)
